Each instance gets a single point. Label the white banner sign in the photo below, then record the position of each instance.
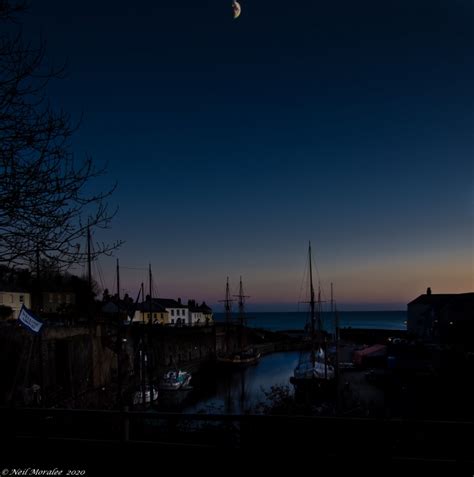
(30, 321)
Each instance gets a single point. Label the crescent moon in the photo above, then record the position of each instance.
(237, 9)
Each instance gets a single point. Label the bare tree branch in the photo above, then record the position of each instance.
(44, 205)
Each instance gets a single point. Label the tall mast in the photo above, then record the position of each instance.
(142, 350)
(89, 260)
(227, 303)
(241, 303)
(321, 335)
(119, 340)
(150, 290)
(332, 299)
(150, 322)
(89, 271)
(241, 298)
(311, 304)
(118, 280)
(228, 314)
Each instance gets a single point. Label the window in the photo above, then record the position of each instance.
(172, 314)
(22, 299)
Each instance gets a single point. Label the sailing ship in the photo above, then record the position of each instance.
(313, 370)
(243, 355)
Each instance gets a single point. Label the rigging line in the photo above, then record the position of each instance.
(303, 281)
(114, 286)
(100, 276)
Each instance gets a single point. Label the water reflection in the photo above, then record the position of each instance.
(237, 391)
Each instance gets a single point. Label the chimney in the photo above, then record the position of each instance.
(428, 291)
(179, 301)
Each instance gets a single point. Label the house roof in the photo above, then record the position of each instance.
(204, 308)
(7, 289)
(155, 307)
(442, 299)
(168, 303)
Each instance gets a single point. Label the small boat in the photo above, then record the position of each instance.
(151, 395)
(174, 380)
(244, 358)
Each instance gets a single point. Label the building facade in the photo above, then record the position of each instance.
(57, 301)
(178, 313)
(159, 314)
(441, 317)
(15, 300)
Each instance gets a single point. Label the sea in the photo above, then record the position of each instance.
(279, 321)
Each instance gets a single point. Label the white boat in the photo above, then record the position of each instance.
(318, 370)
(138, 395)
(314, 369)
(174, 380)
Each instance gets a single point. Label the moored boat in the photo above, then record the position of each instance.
(244, 355)
(314, 371)
(175, 380)
(146, 396)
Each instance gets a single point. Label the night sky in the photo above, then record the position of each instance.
(347, 123)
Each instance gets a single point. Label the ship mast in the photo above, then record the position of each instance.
(312, 309)
(119, 342)
(89, 274)
(227, 304)
(150, 343)
(228, 314)
(241, 302)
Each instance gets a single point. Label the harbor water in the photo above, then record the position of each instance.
(246, 390)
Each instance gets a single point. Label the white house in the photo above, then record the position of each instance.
(15, 300)
(178, 313)
(199, 314)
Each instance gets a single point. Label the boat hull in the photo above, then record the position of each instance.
(314, 387)
(237, 360)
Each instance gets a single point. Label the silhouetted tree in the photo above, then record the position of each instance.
(44, 207)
